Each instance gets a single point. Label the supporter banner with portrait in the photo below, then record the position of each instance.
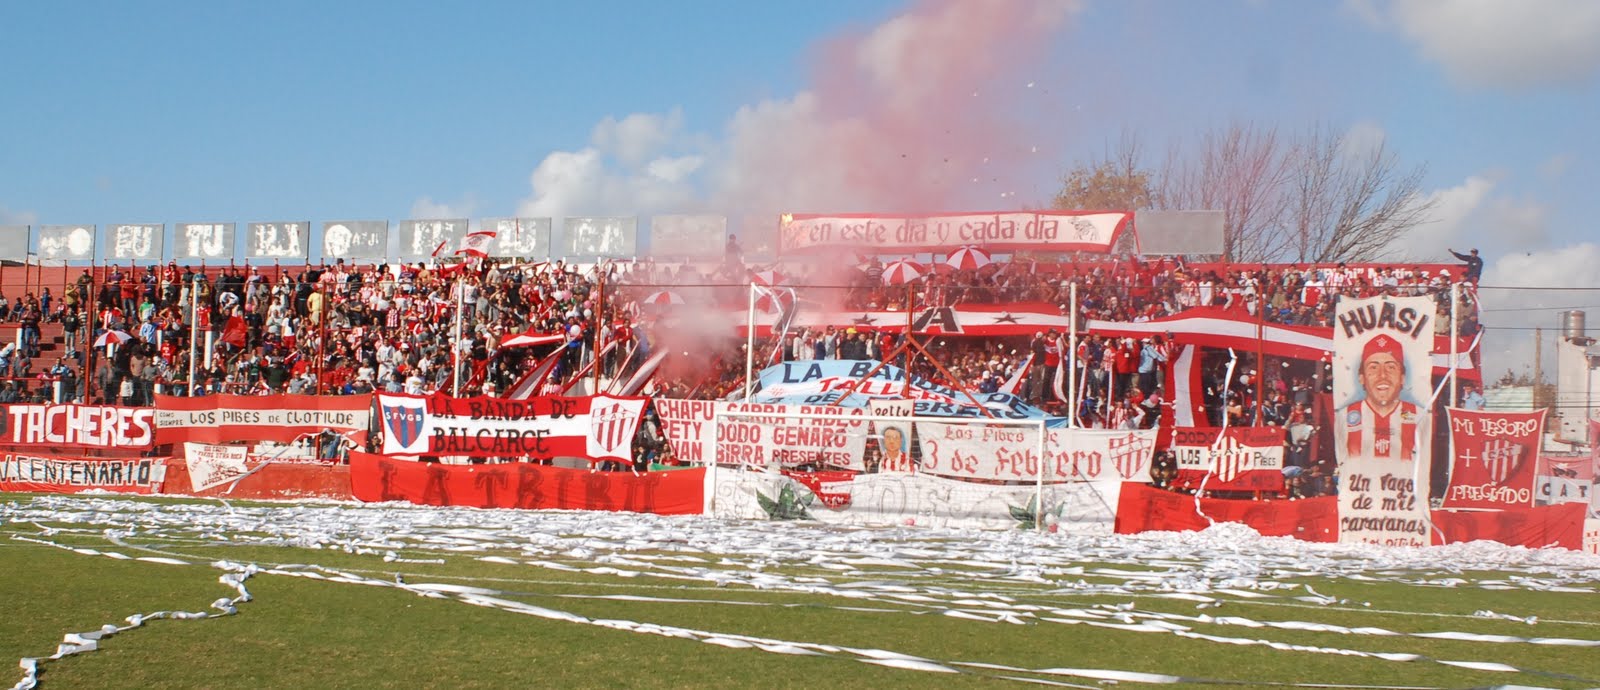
(355, 240)
(1011, 453)
(57, 475)
(597, 427)
(604, 237)
(845, 382)
(134, 241)
(277, 240)
(283, 418)
(518, 238)
(1381, 376)
(203, 241)
(703, 235)
(66, 242)
(527, 486)
(1044, 231)
(210, 464)
(1235, 459)
(424, 239)
(1493, 458)
(81, 426)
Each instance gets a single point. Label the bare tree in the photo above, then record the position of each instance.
(1316, 197)
(1348, 204)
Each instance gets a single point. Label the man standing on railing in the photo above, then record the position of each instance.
(1474, 265)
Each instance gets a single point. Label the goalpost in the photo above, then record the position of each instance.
(988, 454)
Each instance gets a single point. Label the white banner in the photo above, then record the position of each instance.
(204, 241)
(1382, 372)
(355, 239)
(211, 465)
(66, 242)
(420, 239)
(610, 237)
(1053, 231)
(134, 241)
(1011, 453)
(277, 240)
(518, 238)
(760, 441)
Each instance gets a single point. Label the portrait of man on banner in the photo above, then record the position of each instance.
(1382, 372)
(893, 452)
(1383, 421)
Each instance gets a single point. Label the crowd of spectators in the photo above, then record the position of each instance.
(418, 328)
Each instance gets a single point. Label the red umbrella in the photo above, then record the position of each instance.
(663, 298)
(969, 258)
(902, 272)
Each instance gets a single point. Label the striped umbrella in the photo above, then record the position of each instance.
(902, 272)
(767, 278)
(663, 298)
(969, 258)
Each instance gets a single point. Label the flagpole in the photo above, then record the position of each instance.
(194, 329)
(1455, 339)
(1072, 326)
(455, 349)
(750, 341)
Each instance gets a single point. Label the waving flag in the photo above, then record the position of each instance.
(477, 244)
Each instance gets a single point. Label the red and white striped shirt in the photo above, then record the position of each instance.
(1371, 435)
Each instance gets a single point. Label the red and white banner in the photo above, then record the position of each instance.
(1046, 231)
(282, 418)
(211, 464)
(1568, 479)
(1381, 385)
(83, 426)
(1011, 453)
(46, 474)
(1211, 327)
(1235, 459)
(526, 486)
(762, 441)
(595, 427)
(477, 244)
(1493, 458)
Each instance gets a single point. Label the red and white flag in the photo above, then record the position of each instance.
(1237, 458)
(1494, 458)
(594, 427)
(477, 244)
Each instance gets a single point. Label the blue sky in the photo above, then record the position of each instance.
(235, 111)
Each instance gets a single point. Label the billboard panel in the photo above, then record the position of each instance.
(134, 241)
(13, 242)
(1046, 231)
(518, 238)
(688, 235)
(607, 237)
(66, 242)
(419, 239)
(355, 240)
(1179, 232)
(203, 241)
(277, 240)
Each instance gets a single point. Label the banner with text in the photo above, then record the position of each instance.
(526, 486)
(1045, 231)
(211, 464)
(282, 418)
(596, 427)
(47, 474)
(278, 240)
(1569, 479)
(134, 241)
(1011, 453)
(82, 426)
(1240, 459)
(518, 238)
(846, 381)
(203, 241)
(1493, 458)
(355, 240)
(1382, 368)
(66, 242)
(761, 441)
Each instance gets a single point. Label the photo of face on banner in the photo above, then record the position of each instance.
(893, 452)
(1382, 370)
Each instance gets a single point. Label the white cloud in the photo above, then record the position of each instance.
(1455, 217)
(426, 208)
(638, 137)
(1499, 43)
(1362, 139)
(1511, 315)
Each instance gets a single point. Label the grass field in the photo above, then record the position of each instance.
(400, 596)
